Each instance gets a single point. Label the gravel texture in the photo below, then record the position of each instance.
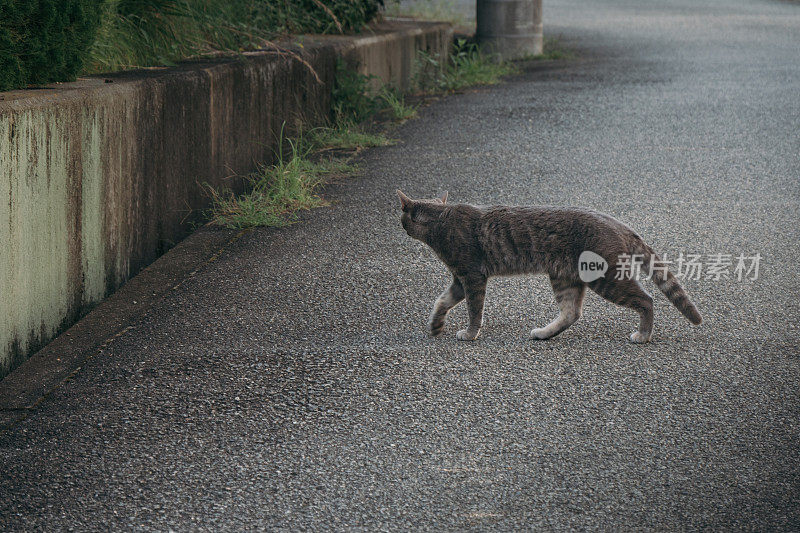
(290, 383)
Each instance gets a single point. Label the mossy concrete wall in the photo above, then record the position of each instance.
(101, 176)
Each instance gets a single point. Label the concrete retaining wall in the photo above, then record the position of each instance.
(100, 177)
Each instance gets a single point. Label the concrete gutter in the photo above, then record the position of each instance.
(23, 389)
(102, 176)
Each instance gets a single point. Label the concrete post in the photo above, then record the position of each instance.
(510, 29)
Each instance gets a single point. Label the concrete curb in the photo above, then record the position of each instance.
(103, 178)
(25, 387)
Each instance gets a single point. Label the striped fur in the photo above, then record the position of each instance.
(477, 243)
(668, 284)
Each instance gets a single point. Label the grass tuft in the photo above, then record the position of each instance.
(346, 138)
(276, 192)
(466, 66)
(400, 111)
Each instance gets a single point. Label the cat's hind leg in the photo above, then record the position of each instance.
(569, 296)
(446, 301)
(628, 293)
(475, 292)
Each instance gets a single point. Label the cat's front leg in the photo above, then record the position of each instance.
(475, 291)
(446, 301)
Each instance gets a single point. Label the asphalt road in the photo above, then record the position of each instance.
(290, 383)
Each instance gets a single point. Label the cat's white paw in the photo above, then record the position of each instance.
(639, 338)
(466, 335)
(539, 334)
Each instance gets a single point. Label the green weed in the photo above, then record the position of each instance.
(396, 104)
(276, 192)
(352, 98)
(346, 137)
(465, 67)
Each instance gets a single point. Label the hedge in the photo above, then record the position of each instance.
(45, 40)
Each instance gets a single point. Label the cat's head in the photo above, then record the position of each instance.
(419, 214)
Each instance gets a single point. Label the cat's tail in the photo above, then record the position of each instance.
(668, 284)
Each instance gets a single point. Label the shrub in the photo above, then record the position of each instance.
(352, 100)
(45, 40)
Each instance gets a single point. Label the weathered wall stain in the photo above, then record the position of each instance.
(99, 179)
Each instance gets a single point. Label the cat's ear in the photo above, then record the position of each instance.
(405, 201)
(444, 198)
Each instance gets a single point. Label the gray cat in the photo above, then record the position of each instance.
(476, 243)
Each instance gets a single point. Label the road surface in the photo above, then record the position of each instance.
(290, 383)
